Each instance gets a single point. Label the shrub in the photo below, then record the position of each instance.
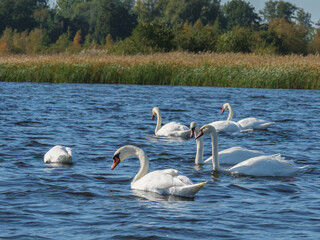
(237, 40)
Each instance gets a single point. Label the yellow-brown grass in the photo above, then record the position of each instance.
(175, 58)
(291, 67)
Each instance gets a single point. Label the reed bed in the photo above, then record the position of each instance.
(206, 69)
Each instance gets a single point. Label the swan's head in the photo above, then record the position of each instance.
(155, 111)
(194, 129)
(225, 107)
(206, 129)
(123, 153)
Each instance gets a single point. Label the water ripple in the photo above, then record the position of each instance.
(87, 200)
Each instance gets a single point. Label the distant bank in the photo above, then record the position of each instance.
(205, 69)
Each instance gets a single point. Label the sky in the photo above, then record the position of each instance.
(309, 6)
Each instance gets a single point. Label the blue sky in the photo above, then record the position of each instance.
(310, 6)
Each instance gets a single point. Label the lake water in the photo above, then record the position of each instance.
(89, 201)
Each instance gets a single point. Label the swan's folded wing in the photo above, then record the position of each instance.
(187, 190)
(254, 123)
(154, 182)
(267, 165)
(182, 180)
(170, 171)
(226, 126)
(172, 127)
(235, 155)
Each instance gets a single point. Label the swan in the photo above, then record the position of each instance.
(165, 182)
(261, 166)
(172, 129)
(194, 130)
(247, 123)
(59, 154)
(226, 125)
(228, 156)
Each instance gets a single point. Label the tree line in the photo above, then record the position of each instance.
(148, 26)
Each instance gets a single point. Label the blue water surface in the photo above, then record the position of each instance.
(89, 201)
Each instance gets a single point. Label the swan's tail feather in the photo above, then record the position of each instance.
(246, 130)
(189, 190)
(265, 125)
(304, 166)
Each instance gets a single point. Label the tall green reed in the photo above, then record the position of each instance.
(164, 74)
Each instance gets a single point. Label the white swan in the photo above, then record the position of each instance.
(167, 181)
(226, 125)
(235, 155)
(228, 156)
(248, 123)
(172, 129)
(194, 128)
(262, 166)
(59, 154)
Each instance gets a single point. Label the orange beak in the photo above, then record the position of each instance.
(116, 161)
(199, 134)
(152, 117)
(222, 111)
(191, 133)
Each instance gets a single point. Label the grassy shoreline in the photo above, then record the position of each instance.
(206, 69)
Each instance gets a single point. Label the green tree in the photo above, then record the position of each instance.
(239, 12)
(173, 11)
(157, 35)
(239, 39)
(114, 18)
(316, 41)
(146, 10)
(292, 36)
(206, 10)
(18, 14)
(196, 37)
(278, 9)
(177, 11)
(304, 18)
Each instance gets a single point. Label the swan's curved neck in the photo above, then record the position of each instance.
(144, 165)
(230, 112)
(199, 154)
(159, 120)
(144, 162)
(215, 156)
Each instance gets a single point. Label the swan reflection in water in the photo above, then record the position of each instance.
(156, 139)
(155, 197)
(59, 165)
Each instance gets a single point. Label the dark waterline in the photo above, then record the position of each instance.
(89, 201)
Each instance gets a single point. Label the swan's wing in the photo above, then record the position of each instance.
(178, 180)
(182, 180)
(266, 165)
(170, 171)
(226, 126)
(173, 126)
(187, 190)
(174, 129)
(167, 182)
(154, 181)
(254, 123)
(235, 155)
(58, 154)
